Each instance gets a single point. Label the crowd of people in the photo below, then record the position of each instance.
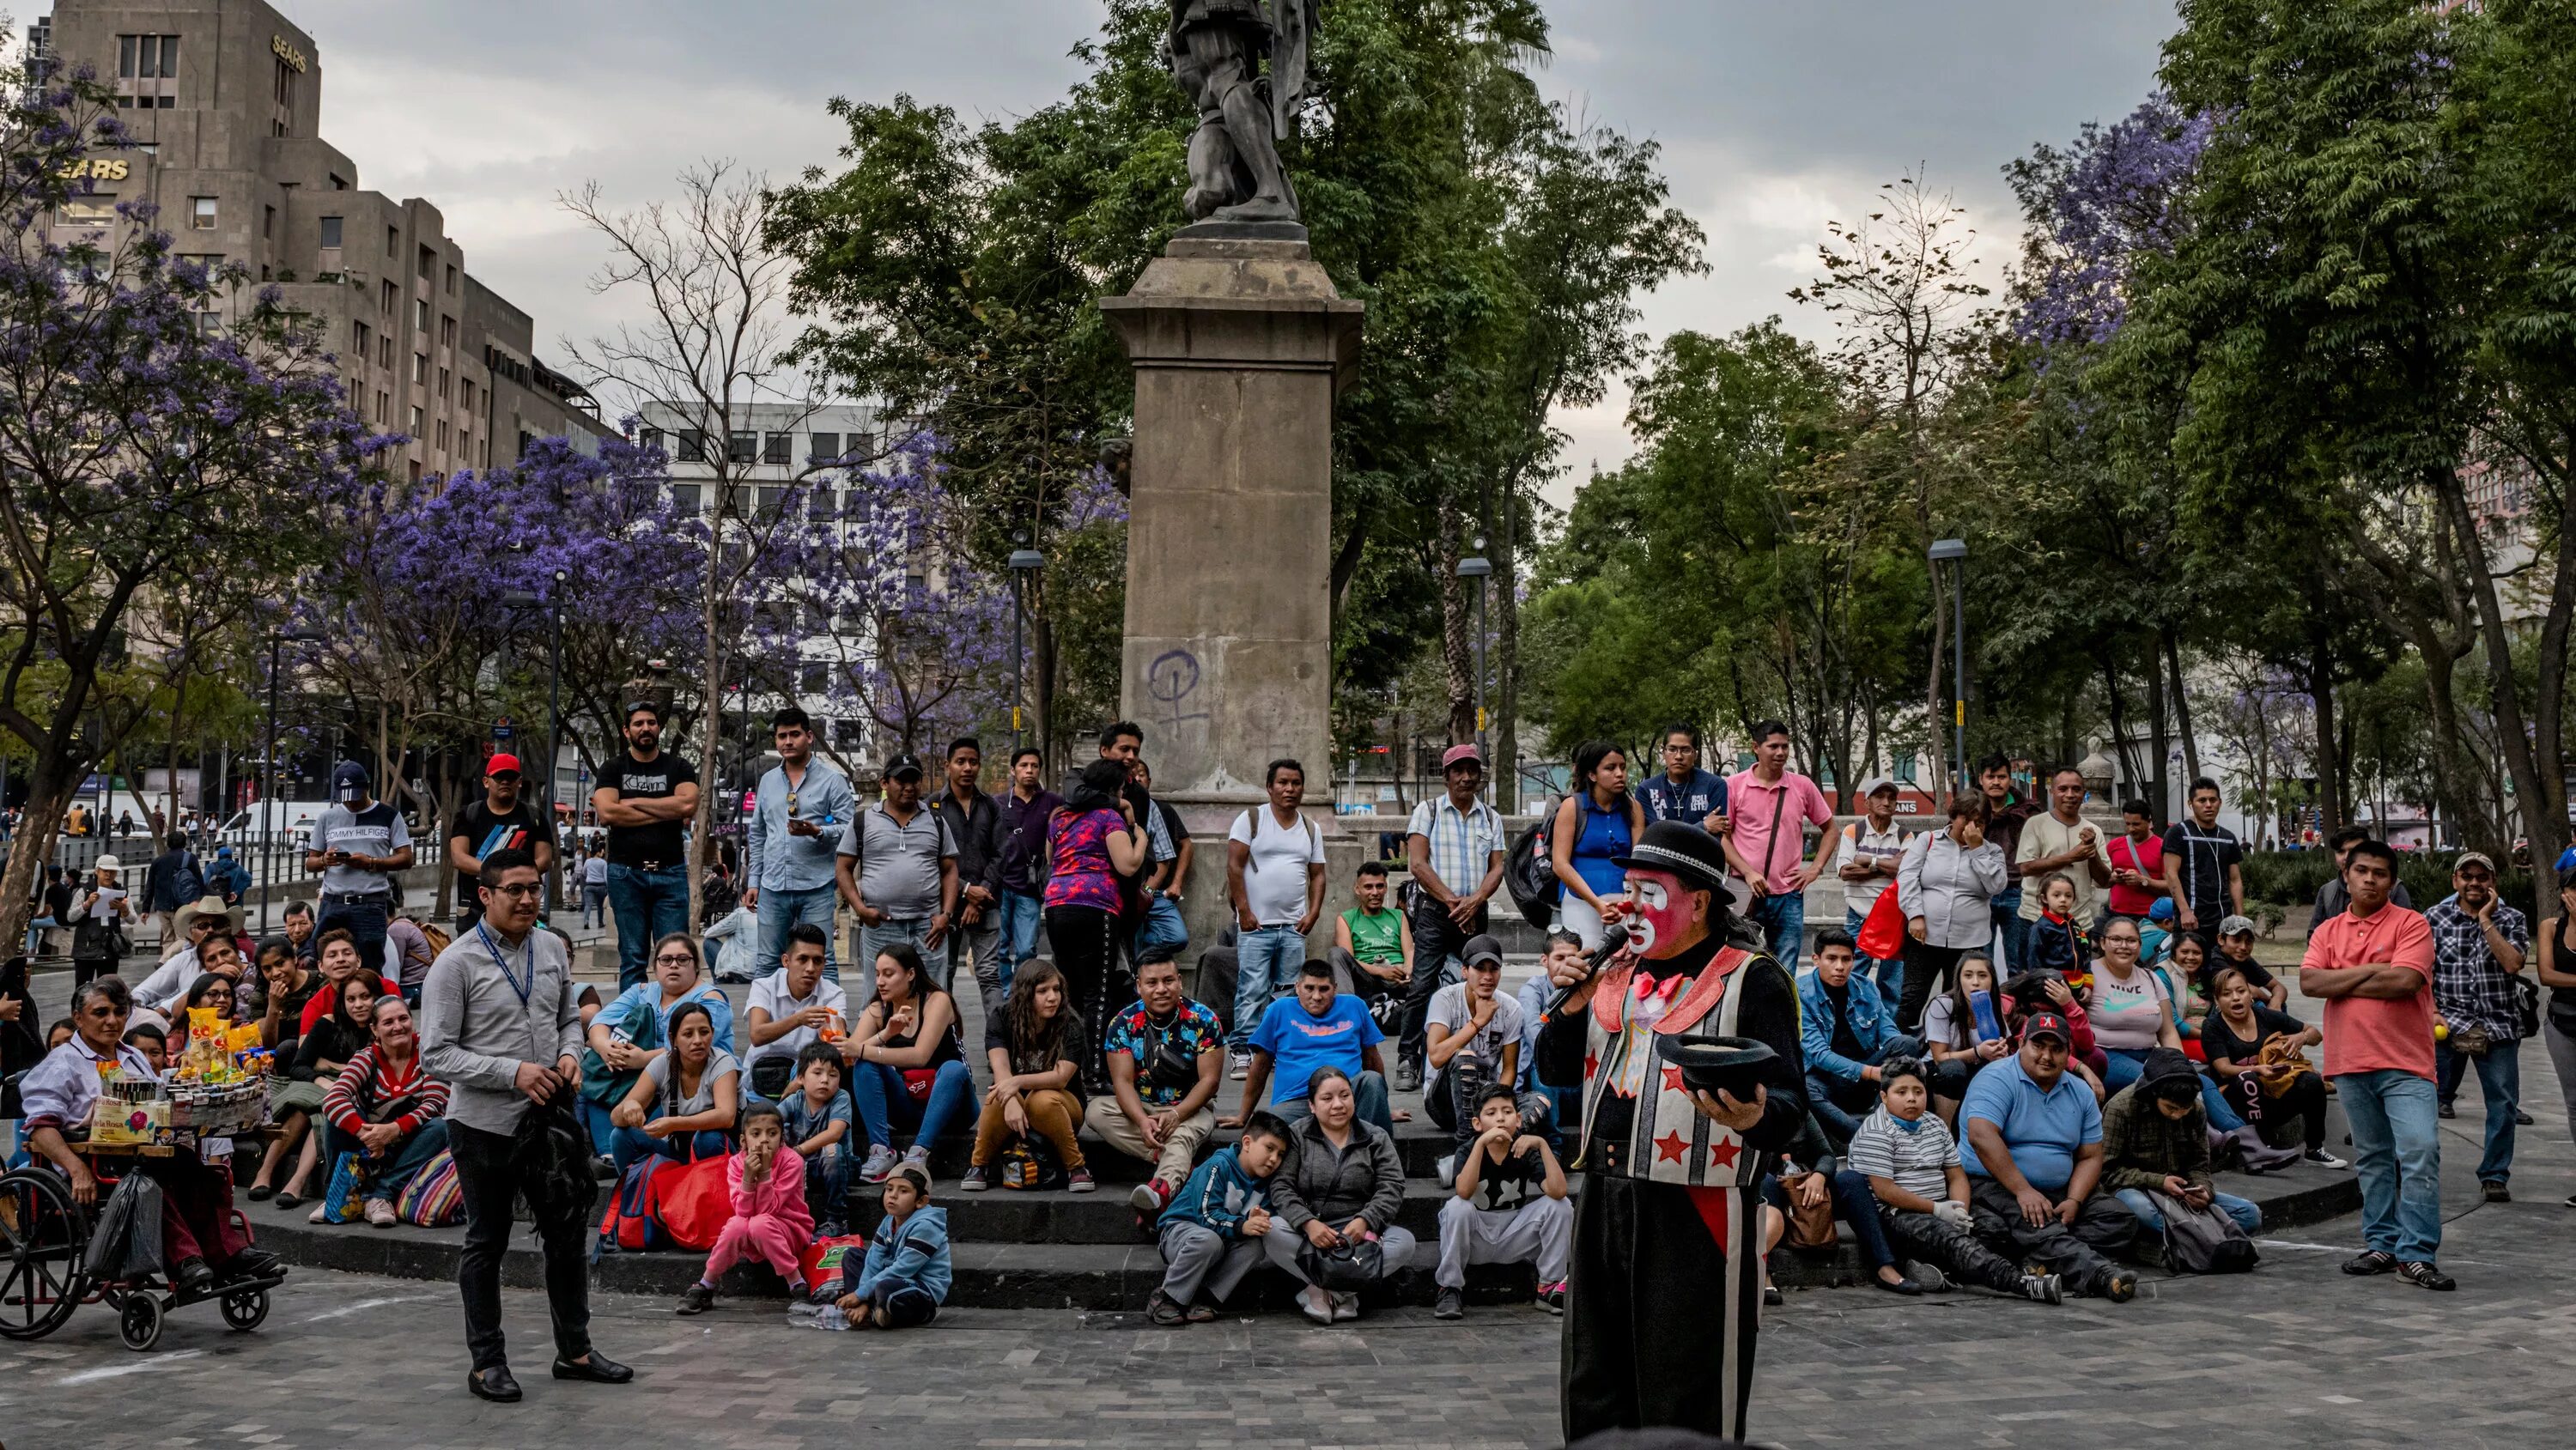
(2028, 1042)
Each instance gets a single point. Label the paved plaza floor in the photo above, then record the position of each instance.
(2294, 1355)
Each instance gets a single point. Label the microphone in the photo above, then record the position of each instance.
(1613, 942)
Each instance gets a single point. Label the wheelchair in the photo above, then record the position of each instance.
(44, 1273)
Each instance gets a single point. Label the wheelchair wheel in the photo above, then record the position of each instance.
(43, 1238)
(138, 1320)
(245, 1308)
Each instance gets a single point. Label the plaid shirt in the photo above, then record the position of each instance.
(2470, 987)
(1462, 842)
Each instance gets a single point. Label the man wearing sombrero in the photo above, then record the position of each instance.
(1664, 1295)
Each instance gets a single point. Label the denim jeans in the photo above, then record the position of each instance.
(1021, 918)
(2012, 934)
(877, 1092)
(2123, 1066)
(2247, 1213)
(626, 1145)
(1783, 919)
(2500, 1083)
(1266, 963)
(1162, 938)
(1854, 1204)
(2397, 1151)
(648, 906)
(781, 910)
(1368, 1089)
(1887, 972)
(827, 1181)
(909, 931)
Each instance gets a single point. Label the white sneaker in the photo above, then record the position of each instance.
(917, 1156)
(380, 1212)
(1345, 1307)
(880, 1163)
(1242, 1066)
(2324, 1159)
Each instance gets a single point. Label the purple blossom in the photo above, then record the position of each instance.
(2093, 208)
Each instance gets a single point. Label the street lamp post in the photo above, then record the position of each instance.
(1024, 561)
(1954, 552)
(554, 716)
(1480, 569)
(272, 811)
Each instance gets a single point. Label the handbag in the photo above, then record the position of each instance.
(1344, 1268)
(771, 1075)
(343, 1201)
(1882, 932)
(2526, 1005)
(607, 1086)
(1811, 1225)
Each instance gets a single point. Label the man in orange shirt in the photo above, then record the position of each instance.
(2373, 967)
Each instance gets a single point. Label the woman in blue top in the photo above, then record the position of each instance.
(1594, 827)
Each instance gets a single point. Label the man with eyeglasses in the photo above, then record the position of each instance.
(2480, 948)
(499, 821)
(501, 1025)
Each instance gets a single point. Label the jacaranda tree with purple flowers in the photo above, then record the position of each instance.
(160, 480)
(2093, 209)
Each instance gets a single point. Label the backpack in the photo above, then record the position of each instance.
(187, 880)
(2203, 1240)
(663, 1203)
(1530, 876)
(1029, 1163)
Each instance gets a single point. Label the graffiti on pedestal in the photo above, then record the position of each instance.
(1172, 683)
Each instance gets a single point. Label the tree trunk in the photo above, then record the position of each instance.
(1504, 769)
(2540, 788)
(1457, 655)
(2182, 716)
(2320, 685)
(49, 795)
(2118, 710)
(1942, 785)
(2160, 782)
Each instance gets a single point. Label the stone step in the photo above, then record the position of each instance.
(1003, 1215)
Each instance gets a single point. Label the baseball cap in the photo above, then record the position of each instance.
(2475, 858)
(110, 863)
(1480, 950)
(2236, 926)
(903, 765)
(1874, 785)
(500, 763)
(2047, 1024)
(919, 1175)
(1456, 754)
(348, 781)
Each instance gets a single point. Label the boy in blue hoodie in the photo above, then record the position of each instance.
(1213, 1229)
(907, 1273)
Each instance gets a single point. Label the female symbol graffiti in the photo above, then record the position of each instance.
(1171, 679)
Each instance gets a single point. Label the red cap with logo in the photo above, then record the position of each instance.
(501, 762)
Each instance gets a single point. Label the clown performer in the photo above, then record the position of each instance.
(1665, 1290)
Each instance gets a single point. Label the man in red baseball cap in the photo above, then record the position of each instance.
(501, 819)
(2035, 1165)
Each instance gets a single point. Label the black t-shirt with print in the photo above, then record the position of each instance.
(1507, 1185)
(485, 830)
(658, 844)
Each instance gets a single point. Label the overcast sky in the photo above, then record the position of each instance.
(1774, 117)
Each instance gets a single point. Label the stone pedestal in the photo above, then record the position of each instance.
(1239, 347)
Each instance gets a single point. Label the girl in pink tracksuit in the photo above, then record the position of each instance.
(770, 1221)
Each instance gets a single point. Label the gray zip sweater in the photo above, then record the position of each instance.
(474, 1030)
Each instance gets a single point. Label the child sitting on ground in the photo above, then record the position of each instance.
(817, 1114)
(1509, 1207)
(907, 1272)
(770, 1222)
(1907, 1161)
(1213, 1228)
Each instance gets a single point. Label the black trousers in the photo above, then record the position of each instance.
(2306, 1100)
(2076, 1251)
(1435, 937)
(1924, 966)
(1661, 1316)
(489, 1174)
(1086, 941)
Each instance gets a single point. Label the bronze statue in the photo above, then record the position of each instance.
(1216, 49)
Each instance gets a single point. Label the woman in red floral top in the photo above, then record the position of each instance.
(387, 1109)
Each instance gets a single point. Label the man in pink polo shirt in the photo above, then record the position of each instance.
(2373, 967)
(1770, 807)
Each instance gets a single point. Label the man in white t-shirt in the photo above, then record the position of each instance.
(1274, 874)
(1472, 1038)
(1865, 857)
(789, 1008)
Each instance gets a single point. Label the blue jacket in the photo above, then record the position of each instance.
(1689, 802)
(647, 997)
(915, 1253)
(1219, 1195)
(775, 859)
(1868, 1015)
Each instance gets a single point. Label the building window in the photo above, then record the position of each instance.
(818, 502)
(384, 407)
(813, 677)
(420, 316)
(442, 435)
(268, 223)
(428, 262)
(741, 447)
(649, 438)
(331, 233)
(687, 498)
(447, 332)
(779, 448)
(826, 446)
(415, 422)
(359, 335)
(465, 394)
(385, 299)
(210, 322)
(451, 279)
(201, 213)
(285, 87)
(693, 446)
(338, 182)
(419, 367)
(768, 504)
(442, 385)
(147, 71)
(385, 351)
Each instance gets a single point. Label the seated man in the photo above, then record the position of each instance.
(2037, 1136)
(1316, 1028)
(2155, 1139)
(1372, 945)
(1472, 1039)
(199, 1240)
(1904, 1161)
(2236, 949)
(1847, 1033)
(1166, 1058)
(1508, 1205)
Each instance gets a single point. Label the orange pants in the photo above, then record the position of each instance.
(1053, 1113)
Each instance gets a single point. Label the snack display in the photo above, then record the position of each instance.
(213, 1093)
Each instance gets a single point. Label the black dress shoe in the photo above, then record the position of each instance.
(495, 1384)
(192, 1277)
(252, 1264)
(598, 1369)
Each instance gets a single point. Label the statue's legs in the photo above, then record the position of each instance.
(1221, 54)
